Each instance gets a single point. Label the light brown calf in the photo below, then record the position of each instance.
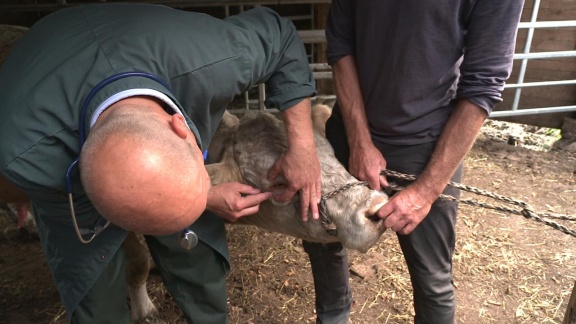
(247, 148)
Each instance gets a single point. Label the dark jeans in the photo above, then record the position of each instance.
(330, 271)
(199, 288)
(427, 250)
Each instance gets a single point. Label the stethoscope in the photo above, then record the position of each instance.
(187, 240)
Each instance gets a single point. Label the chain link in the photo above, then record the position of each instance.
(525, 209)
(326, 221)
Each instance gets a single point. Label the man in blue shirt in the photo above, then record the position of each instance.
(415, 81)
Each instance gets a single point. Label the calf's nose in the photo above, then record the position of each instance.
(375, 205)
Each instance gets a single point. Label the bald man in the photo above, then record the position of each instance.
(136, 92)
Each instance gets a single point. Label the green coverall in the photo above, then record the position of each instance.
(204, 60)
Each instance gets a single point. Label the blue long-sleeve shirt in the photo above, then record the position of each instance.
(415, 58)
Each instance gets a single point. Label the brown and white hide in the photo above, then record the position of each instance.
(247, 148)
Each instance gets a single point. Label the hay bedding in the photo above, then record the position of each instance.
(506, 269)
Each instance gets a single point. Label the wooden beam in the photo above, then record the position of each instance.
(324, 83)
(59, 4)
(316, 36)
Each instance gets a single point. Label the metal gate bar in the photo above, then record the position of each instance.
(527, 55)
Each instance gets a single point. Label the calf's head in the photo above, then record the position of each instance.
(245, 149)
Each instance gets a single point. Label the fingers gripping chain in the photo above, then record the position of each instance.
(525, 209)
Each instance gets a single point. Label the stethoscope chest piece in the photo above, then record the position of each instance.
(188, 240)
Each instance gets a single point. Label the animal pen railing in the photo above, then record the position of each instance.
(527, 55)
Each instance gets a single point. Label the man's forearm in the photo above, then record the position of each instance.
(300, 165)
(298, 123)
(454, 143)
(351, 102)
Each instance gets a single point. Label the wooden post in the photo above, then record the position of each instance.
(570, 316)
(324, 86)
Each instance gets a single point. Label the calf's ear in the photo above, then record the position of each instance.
(320, 114)
(223, 137)
(229, 120)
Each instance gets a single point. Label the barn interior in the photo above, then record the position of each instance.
(541, 91)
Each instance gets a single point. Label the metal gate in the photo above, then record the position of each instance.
(527, 55)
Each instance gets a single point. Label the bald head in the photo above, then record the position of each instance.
(142, 174)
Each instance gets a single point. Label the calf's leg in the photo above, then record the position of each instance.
(137, 268)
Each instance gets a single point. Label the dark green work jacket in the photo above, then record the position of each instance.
(204, 61)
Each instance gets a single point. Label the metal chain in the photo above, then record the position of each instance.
(326, 221)
(344, 188)
(526, 210)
